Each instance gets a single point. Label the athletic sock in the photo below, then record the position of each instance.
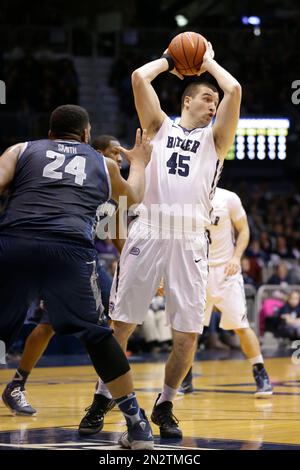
(168, 394)
(20, 378)
(130, 408)
(101, 389)
(257, 360)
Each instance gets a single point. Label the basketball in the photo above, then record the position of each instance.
(187, 50)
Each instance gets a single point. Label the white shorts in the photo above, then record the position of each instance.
(144, 262)
(228, 295)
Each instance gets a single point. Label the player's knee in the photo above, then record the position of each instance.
(115, 364)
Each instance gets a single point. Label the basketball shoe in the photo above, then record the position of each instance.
(263, 384)
(93, 421)
(14, 398)
(162, 416)
(138, 435)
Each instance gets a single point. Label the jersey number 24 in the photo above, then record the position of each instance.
(75, 167)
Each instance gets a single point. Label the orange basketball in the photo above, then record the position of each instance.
(187, 50)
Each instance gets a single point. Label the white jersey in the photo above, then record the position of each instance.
(181, 177)
(227, 208)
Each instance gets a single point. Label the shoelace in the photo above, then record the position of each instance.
(19, 396)
(167, 419)
(93, 408)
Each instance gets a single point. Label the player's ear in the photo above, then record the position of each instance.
(186, 101)
(85, 136)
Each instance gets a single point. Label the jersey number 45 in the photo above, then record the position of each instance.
(177, 164)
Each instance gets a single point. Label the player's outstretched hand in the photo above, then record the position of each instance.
(208, 55)
(141, 152)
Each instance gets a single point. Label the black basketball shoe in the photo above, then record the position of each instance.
(93, 421)
(162, 416)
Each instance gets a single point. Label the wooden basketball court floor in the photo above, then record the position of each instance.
(222, 413)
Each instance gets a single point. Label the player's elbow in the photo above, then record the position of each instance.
(136, 78)
(236, 89)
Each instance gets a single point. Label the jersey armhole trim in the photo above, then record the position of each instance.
(213, 141)
(163, 124)
(23, 150)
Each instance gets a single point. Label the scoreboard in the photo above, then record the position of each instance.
(260, 139)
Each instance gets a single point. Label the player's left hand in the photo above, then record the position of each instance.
(141, 152)
(233, 266)
(208, 55)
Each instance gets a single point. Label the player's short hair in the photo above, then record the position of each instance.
(69, 119)
(101, 142)
(193, 88)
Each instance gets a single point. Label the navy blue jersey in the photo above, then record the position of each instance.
(57, 188)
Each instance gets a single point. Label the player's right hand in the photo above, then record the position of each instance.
(141, 152)
(174, 71)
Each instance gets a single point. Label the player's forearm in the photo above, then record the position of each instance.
(225, 80)
(242, 242)
(150, 70)
(136, 181)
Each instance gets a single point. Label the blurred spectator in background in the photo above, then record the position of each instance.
(281, 276)
(246, 271)
(251, 271)
(281, 249)
(289, 317)
(157, 335)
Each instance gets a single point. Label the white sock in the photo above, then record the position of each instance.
(256, 360)
(168, 394)
(101, 389)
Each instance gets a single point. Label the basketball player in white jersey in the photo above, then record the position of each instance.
(225, 287)
(185, 165)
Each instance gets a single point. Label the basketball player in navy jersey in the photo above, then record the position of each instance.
(38, 340)
(180, 182)
(46, 245)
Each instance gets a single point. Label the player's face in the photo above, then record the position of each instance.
(203, 106)
(113, 152)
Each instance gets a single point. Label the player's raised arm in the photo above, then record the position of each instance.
(228, 112)
(146, 100)
(8, 162)
(138, 158)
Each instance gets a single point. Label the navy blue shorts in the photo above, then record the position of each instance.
(38, 315)
(64, 275)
